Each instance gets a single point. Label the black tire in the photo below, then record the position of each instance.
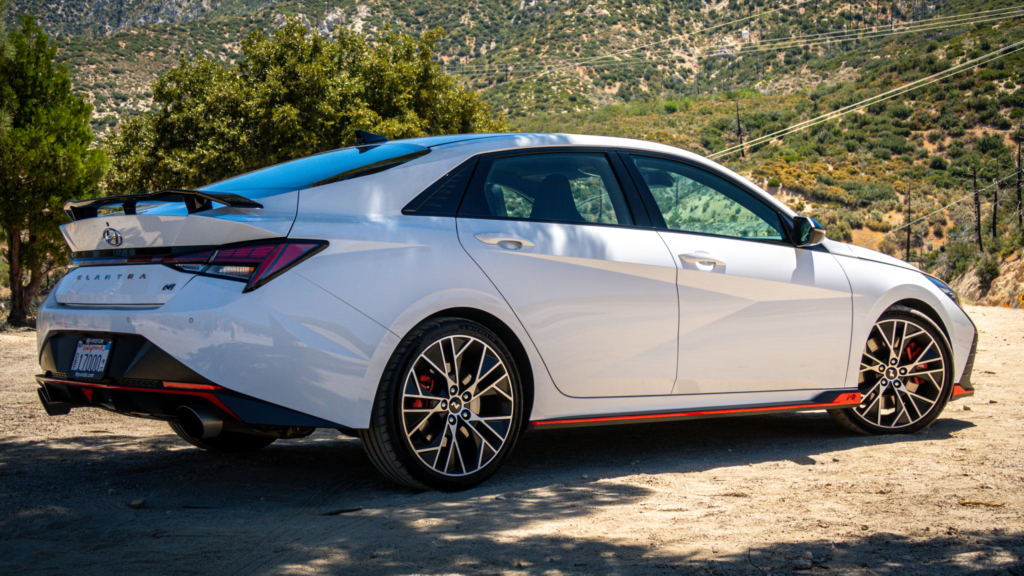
(391, 448)
(931, 393)
(225, 442)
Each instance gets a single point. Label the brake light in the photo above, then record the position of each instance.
(255, 264)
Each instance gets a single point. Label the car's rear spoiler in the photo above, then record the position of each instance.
(195, 201)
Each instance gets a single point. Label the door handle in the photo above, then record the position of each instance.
(500, 239)
(701, 258)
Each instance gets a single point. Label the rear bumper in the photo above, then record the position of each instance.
(289, 344)
(161, 401)
(964, 388)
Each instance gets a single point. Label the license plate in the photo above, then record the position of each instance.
(91, 358)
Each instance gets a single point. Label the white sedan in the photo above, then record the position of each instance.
(438, 297)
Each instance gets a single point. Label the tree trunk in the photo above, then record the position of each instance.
(22, 294)
(18, 315)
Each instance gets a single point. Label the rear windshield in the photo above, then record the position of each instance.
(319, 169)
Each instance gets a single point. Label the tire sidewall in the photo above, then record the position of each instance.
(392, 391)
(947, 386)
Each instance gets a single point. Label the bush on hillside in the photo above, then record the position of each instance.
(291, 95)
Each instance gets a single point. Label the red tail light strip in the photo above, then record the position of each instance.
(172, 390)
(268, 260)
(843, 400)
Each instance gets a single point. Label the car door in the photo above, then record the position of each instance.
(756, 313)
(564, 238)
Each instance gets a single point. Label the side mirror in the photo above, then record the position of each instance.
(808, 231)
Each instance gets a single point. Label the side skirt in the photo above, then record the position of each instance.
(823, 401)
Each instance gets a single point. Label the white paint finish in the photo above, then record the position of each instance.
(172, 226)
(385, 267)
(153, 284)
(288, 342)
(598, 301)
(774, 317)
(877, 286)
(317, 339)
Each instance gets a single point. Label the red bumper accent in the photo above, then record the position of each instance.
(960, 392)
(87, 389)
(844, 400)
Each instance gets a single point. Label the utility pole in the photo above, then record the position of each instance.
(739, 129)
(909, 213)
(977, 211)
(995, 206)
(1020, 205)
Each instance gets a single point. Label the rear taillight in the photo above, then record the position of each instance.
(255, 264)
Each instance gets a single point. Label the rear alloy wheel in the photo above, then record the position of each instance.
(449, 408)
(906, 376)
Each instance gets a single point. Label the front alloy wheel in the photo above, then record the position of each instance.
(906, 376)
(449, 407)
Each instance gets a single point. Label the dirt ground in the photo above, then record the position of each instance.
(755, 495)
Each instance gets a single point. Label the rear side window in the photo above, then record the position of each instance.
(564, 187)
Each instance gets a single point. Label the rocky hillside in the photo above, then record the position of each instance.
(704, 75)
(993, 284)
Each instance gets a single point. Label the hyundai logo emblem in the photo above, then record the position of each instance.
(113, 237)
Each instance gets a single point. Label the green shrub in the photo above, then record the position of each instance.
(987, 271)
(881, 153)
(938, 163)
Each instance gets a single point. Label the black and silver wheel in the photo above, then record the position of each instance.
(225, 442)
(906, 376)
(449, 407)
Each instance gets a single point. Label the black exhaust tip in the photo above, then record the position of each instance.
(200, 421)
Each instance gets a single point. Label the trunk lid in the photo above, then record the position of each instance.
(170, 225)
(156, 230)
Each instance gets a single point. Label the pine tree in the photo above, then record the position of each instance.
(44, 160)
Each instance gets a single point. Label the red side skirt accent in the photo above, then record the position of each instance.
(843, 400)
(959, 392)
(87, 386)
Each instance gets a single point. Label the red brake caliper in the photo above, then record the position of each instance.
(427, 383)
(914, 350)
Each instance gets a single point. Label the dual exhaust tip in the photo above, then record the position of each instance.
(200, 421)
(197, 421)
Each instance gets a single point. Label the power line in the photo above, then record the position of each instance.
(702, 31)
(932, 24)
(947, 206)
(991, 56)
(945, 20)
(838, 37)
(666, 57)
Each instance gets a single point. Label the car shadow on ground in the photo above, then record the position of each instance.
(319, 502)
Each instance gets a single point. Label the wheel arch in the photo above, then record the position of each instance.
(509, 337)
(927, 310)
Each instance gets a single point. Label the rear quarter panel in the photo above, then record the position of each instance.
(398, 270)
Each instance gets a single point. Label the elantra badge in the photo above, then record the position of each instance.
(113, 237)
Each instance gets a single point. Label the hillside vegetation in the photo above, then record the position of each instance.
(696, 74)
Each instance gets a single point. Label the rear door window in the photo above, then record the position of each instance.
(564, 187)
